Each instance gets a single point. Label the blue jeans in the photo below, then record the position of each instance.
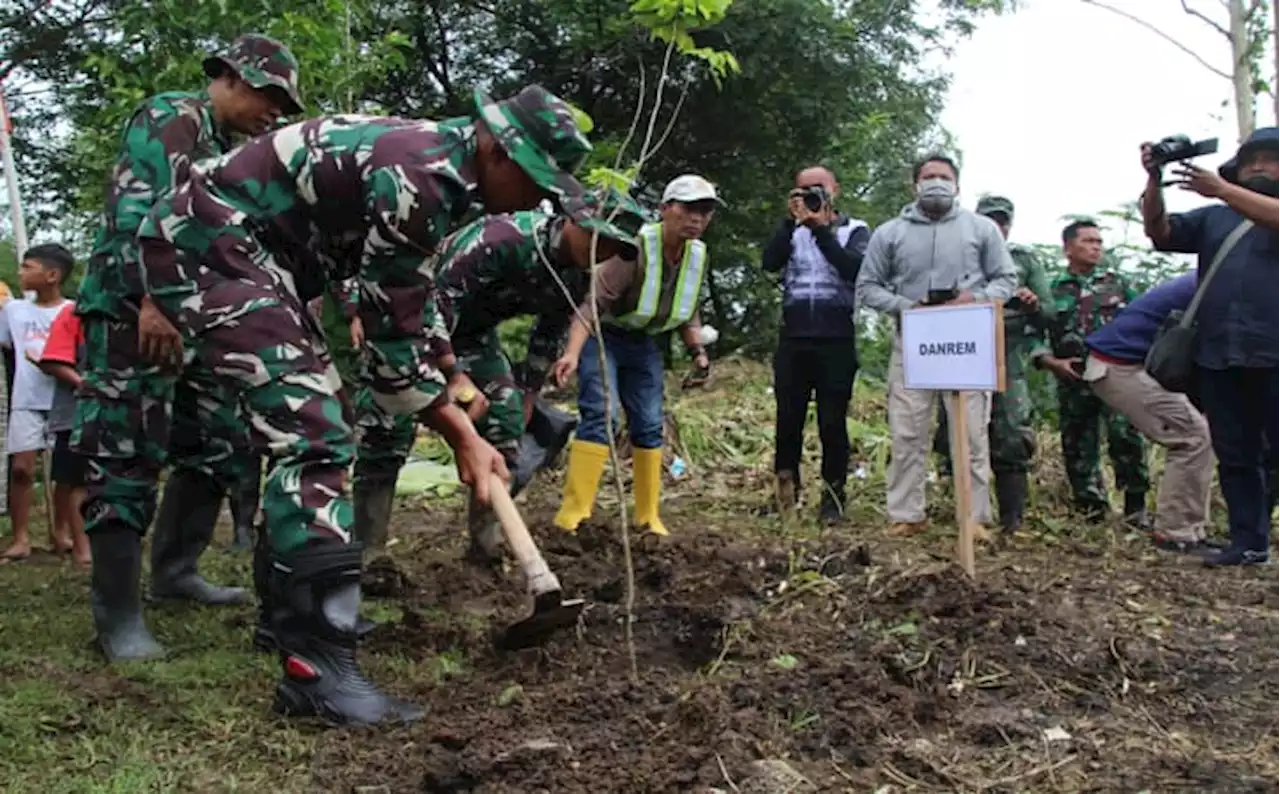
(1240, 404)
(635, 372)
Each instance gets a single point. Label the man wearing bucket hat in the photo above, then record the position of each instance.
(244, 320)
(1236, 322)
(1027, 318)
(122, 425)
(636, 300)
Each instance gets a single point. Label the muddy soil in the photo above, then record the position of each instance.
(858, 667)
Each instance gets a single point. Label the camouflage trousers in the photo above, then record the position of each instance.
(1081, 417)
(259, 343)
(386, 440)
(132, 419)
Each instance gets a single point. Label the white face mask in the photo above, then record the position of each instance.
(936, 195)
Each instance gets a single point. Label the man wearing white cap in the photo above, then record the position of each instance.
(636, 301)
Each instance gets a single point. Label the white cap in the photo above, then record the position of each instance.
(689, 188)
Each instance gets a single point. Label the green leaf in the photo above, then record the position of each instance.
(785, 661)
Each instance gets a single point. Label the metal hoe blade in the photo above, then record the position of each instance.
(551, 613)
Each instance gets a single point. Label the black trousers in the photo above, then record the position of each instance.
(1240, 405)
(821, 369)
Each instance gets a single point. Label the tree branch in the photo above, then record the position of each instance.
(1161, 34)
(1198, 15)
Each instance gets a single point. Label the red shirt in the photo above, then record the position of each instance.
(65, 337)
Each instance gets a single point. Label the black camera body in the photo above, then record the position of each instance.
(937, 297)
(1176, 148)
(815, 197)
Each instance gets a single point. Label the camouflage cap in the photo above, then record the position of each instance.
(260, 62)
(620, 208)
(990, 205)
(586, 212)
(538, 131)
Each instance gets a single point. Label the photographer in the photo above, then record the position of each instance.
(1236, 322)
(818, 251)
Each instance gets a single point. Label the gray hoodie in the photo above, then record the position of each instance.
(913, 253)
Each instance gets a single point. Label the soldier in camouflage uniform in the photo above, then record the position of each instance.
(503, 266)
(1086, 298)
(1026, 320)
(125, 405)
(390, 189)
(495, 268)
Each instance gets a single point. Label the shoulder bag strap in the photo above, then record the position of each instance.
(1189, 315)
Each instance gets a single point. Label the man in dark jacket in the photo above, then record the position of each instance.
(1236, 323)
(818, 252)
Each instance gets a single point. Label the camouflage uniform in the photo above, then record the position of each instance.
(1011, 432)
(391, 189)
(1085, 303)
(493, 269)
(125, 420)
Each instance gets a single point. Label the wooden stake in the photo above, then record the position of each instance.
(963, 485)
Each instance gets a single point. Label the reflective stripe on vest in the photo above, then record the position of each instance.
(684, 302)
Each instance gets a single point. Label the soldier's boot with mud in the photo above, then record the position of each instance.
(372, 499)
(647, 484)
(485, 550)
(183, 529)
(244, 508)
(1011, 500)
(581, 480)
(116, 595)
(316, 627)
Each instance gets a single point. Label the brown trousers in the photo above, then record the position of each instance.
(1168, 419)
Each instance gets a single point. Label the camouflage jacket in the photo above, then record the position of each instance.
(1025, 332)
(164, 137)
(496, 268)
(1084, 304)
(388, 188)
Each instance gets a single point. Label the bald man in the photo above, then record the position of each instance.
(818, 251)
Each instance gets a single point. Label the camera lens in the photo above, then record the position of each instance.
(813, 202)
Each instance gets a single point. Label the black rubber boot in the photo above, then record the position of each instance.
(264, 636)
(244, 506)
(372, 499)
(116, 596)
(1135, 511)
(546, 436)
(315, 622)
(831, 508)
(184, 526)
(1011, 498)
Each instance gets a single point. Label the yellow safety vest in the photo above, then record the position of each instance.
(684, 302)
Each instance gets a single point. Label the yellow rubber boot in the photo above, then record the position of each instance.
(586, 465)
(647, 483)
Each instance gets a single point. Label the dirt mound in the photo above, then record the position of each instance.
(858, 675)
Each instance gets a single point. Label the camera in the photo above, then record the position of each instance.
(815, 197)
(1175, 148)
(937, 297)
(1072, 346)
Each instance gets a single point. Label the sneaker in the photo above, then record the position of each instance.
(1180, 546)
(1233, 557)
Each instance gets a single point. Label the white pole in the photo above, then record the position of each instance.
(11, 176)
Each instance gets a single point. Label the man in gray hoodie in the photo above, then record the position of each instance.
(934, 244)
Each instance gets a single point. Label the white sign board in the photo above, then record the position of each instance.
(953, 348)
